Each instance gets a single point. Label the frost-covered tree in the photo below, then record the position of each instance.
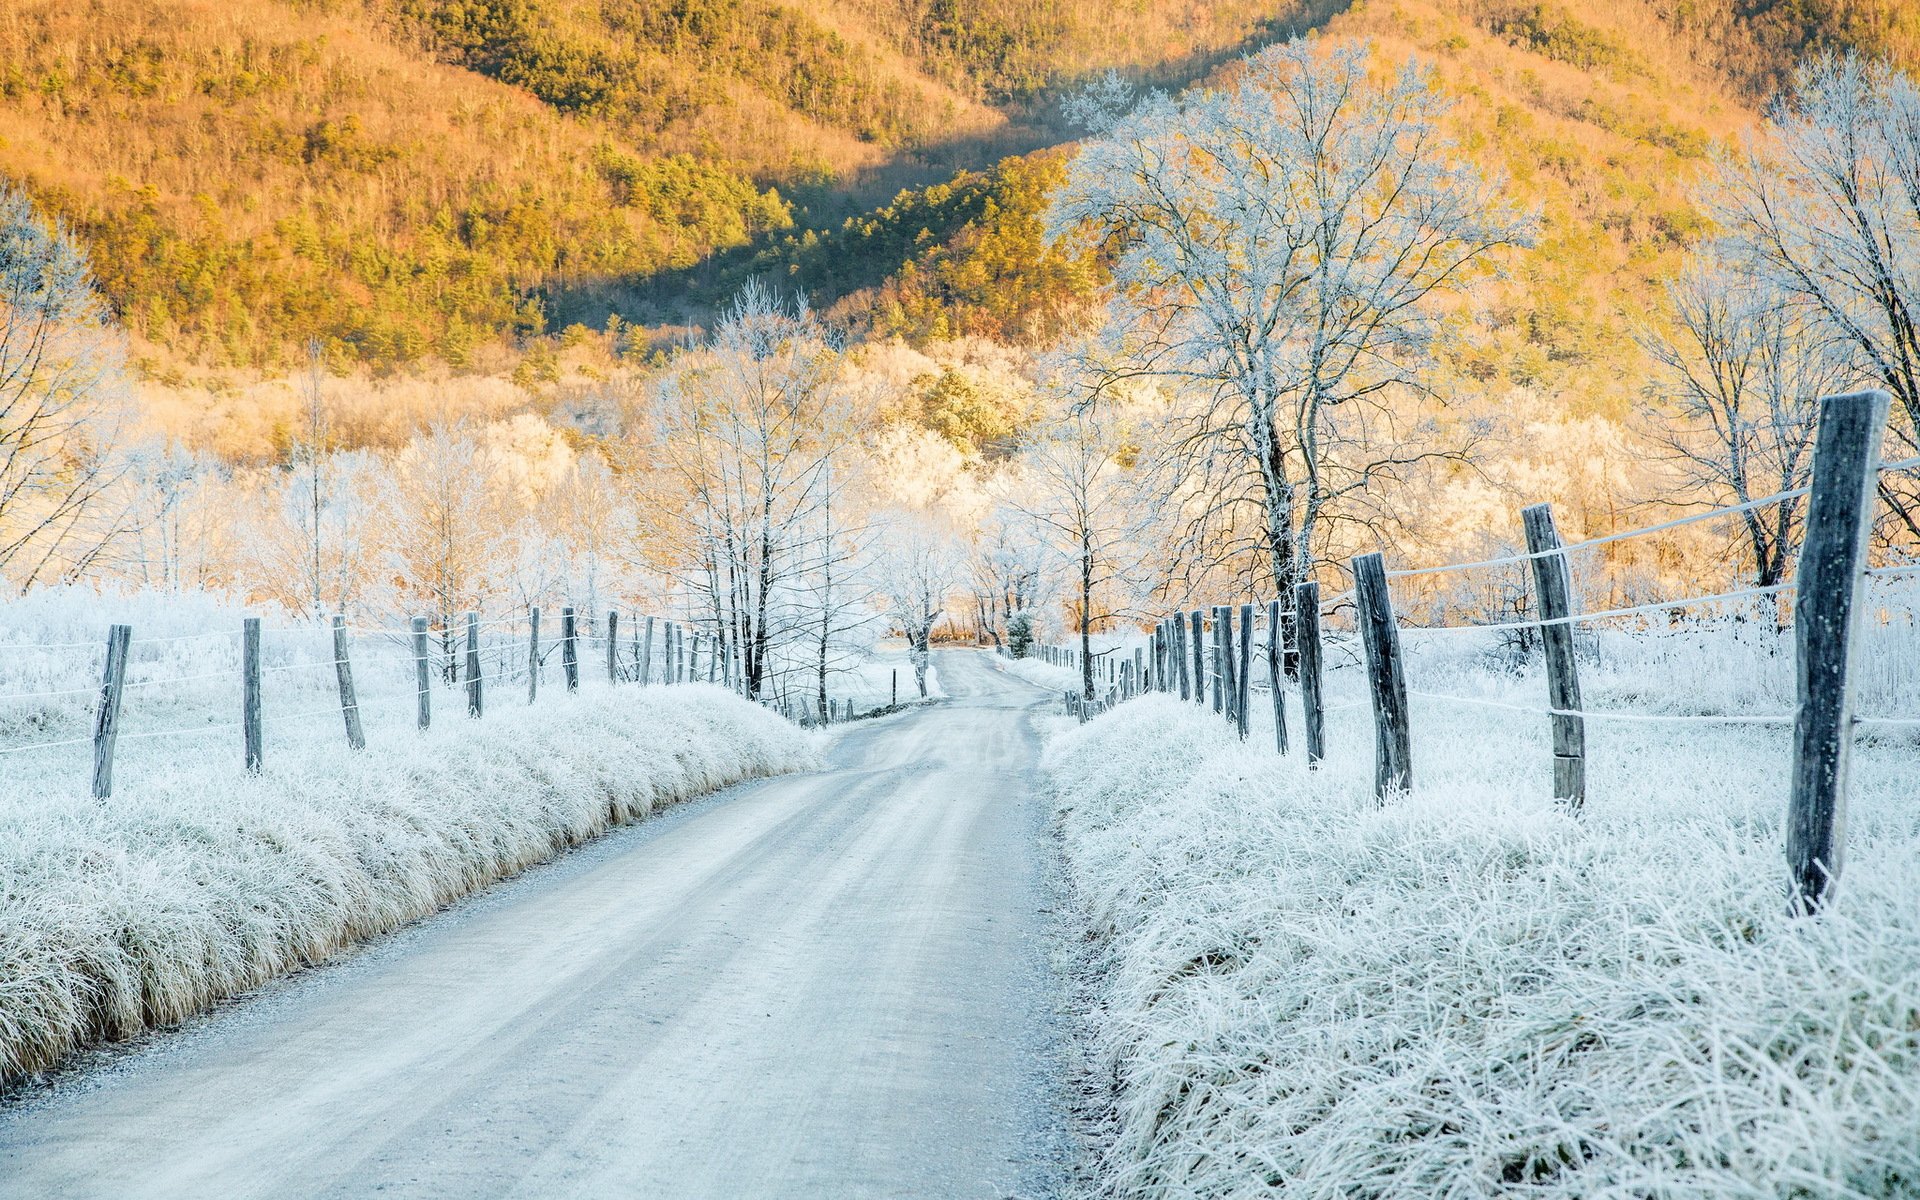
(1742, 370)
(1076, 492)
(743, 440)
(60, 414)
(1825, 203)
(921, 562)
(1280, 250)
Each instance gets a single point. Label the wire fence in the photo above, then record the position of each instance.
(466, 660)
(1206, 655)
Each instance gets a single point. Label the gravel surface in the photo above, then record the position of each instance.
(831, 985)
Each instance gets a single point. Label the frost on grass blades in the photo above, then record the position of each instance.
(195, 881)
(1469, 991)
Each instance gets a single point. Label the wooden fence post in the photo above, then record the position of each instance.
(533, 654)
(422, 684)
(250, 731)
(1199, 651)
(1275, 675)
(1829, 584)
(1386, 677)
(1313, 705)
(569, 648)
(1245, 678)
(343, 672)
(1179, 655)
(1219, 666)
(646, 654)
(613, 646)
(106, 717)
(475, 699)
(1553, 587)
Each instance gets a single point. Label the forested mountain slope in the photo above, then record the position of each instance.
(413, 179)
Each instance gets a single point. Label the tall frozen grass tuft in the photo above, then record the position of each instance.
(1466, 992)
(195, 882)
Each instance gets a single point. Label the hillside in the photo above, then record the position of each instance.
(417, 179)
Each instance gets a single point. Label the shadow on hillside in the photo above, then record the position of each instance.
(689, 296)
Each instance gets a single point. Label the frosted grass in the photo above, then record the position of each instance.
(1467, 992)
(196, 882)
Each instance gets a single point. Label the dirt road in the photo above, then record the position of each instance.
(829, 985)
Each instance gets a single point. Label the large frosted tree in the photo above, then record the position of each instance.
(1824, 202)
(1281, 248)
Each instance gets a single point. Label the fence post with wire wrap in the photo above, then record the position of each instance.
(1386, 677)
(1313, 705)
(252, 738)
(106, 718)
(1830, 583)
(422, 676)
(569, 648)
(1553, 588)
(343, 672)
(476, 699)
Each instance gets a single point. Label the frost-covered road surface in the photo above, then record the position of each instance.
(827, 985)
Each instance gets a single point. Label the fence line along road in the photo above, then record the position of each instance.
(1826, 594)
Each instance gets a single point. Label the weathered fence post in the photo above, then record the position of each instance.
(646, 654)
(343, 672)
(895, 702)
(1197, 620)
(476, 702)
(1828, 592)
(613, 646)
(422, 685)
(1219, 664)
(1274, 676)
(533, 654)
(1139, 671)
(106, 717)
(1553, 585)
(1229, 684)
(1180, 653)
(1245, 679)
(569, 648)
(1386, 677)
(1313, 706)
(250, 731)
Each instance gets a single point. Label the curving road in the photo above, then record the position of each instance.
(831, 985)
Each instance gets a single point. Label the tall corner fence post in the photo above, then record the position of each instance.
(343, 674)
(251, 735)
(422, 676)
(1553, 590)
(476, 699)
(1828, 593)
(1313, 706)
(1244, 678)
(1196, 624)
(1276, 677)
(533, 653)
(569, 648)
(1229, 683)
(106, 716)
(613, 646)
(1386, 677)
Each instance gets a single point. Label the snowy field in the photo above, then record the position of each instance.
(1468, 992)
(196, 881)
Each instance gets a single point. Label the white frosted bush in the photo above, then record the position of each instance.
(1469, 992)
(195, 882)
